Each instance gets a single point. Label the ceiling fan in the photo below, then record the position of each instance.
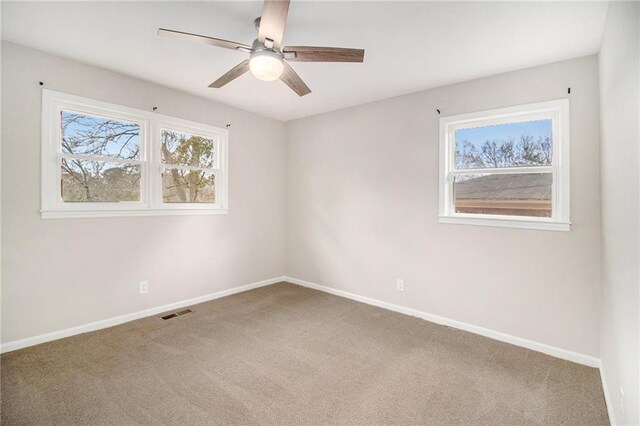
(267, 60)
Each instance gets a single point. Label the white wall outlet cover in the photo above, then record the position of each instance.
(400, 284)
(144, 287)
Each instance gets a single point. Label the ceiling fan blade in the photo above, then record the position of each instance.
(293, 80)
(232, 74)
(322, 54)
(218, 42)
(273, 21)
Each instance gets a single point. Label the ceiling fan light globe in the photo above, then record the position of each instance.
(266, 66)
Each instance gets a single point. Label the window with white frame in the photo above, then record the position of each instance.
(101, 159)
(507, 167)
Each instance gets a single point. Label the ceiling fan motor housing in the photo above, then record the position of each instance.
(257, 46)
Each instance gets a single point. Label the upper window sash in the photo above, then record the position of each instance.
(98, 112)
(495, 118)
(215, 166)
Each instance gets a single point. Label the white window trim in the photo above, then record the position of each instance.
(150, 203)
(558, 112)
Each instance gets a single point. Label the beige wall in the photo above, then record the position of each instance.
(361, 209)
(67, 272)
(362, 206)
(620, 114)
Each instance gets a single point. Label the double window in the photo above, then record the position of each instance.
(100, 159)
(507, 167)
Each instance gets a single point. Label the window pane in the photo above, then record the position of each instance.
(526, 143)
(99, 137)
(186, 149)
(99, 181)
(504, 194)
(188, 186)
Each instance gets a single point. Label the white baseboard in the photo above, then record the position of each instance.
(568, 355)
(110, 322)
(607, 396)
(503, 337)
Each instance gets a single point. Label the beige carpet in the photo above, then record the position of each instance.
(287, 354)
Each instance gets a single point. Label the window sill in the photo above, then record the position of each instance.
(508, 223)
(69, 214)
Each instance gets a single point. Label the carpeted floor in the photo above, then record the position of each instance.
(287, 354)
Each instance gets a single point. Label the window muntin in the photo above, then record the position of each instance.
(101, 159)
(506, 167)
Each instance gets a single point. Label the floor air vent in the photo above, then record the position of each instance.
(186, 311)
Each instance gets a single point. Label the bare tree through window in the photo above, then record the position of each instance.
(98, 163)
(188, 177)
(525, 151)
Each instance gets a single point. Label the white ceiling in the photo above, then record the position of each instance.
(410, 46)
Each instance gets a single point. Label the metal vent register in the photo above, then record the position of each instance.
(175, 314)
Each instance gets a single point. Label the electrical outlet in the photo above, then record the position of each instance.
(621, 419)
(400, 284)
(144, 287)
